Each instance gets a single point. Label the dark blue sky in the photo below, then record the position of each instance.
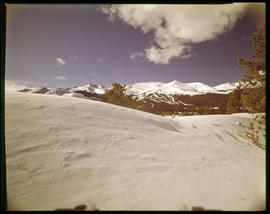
(92, 49)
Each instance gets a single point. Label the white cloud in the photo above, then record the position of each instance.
(100, 60)
(60, 78)
(177, 27)
(60, 62)
(32, 83)
(13, 85)
(137, 54)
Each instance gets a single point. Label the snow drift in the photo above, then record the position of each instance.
(65, 151)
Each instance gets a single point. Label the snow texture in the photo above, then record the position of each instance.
(63, 151)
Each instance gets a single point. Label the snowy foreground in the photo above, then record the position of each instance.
(62, 152)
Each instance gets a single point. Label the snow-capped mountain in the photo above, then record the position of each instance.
(227, 87)
(152, 94)
(175, 92)
(201, 87)
(176, 87)
(145, 88)
(91, 88)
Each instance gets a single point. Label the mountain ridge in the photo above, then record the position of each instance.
(177, 87)
(173, 87)
(153, 97)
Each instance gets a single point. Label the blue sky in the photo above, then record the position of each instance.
(70, 45)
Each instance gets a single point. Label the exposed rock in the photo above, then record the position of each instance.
(25, 90)
(41, 90)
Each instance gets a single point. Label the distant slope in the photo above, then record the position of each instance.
(64, 151)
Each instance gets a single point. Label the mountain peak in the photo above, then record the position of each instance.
(174, 82)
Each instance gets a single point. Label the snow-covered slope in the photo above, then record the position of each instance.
(74, 94)
(226, 86)
(201, 87)
(143, 87)
(64, 151)
(94, 88)
(176, 87)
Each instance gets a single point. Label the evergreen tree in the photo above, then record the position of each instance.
(253, 100)
(222, 107)
(116, 95)
(253, 86)
(234, 104)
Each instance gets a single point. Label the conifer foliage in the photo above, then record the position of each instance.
(222, 106)
(249, 96)
(253, 83)
(117, 95)
(253, 88)
(234, 104)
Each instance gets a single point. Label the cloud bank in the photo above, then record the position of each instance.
(176, 27)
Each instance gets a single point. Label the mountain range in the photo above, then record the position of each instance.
(153, 96)
(176, 87)
(145, 88)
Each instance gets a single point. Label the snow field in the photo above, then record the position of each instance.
(65, 151)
